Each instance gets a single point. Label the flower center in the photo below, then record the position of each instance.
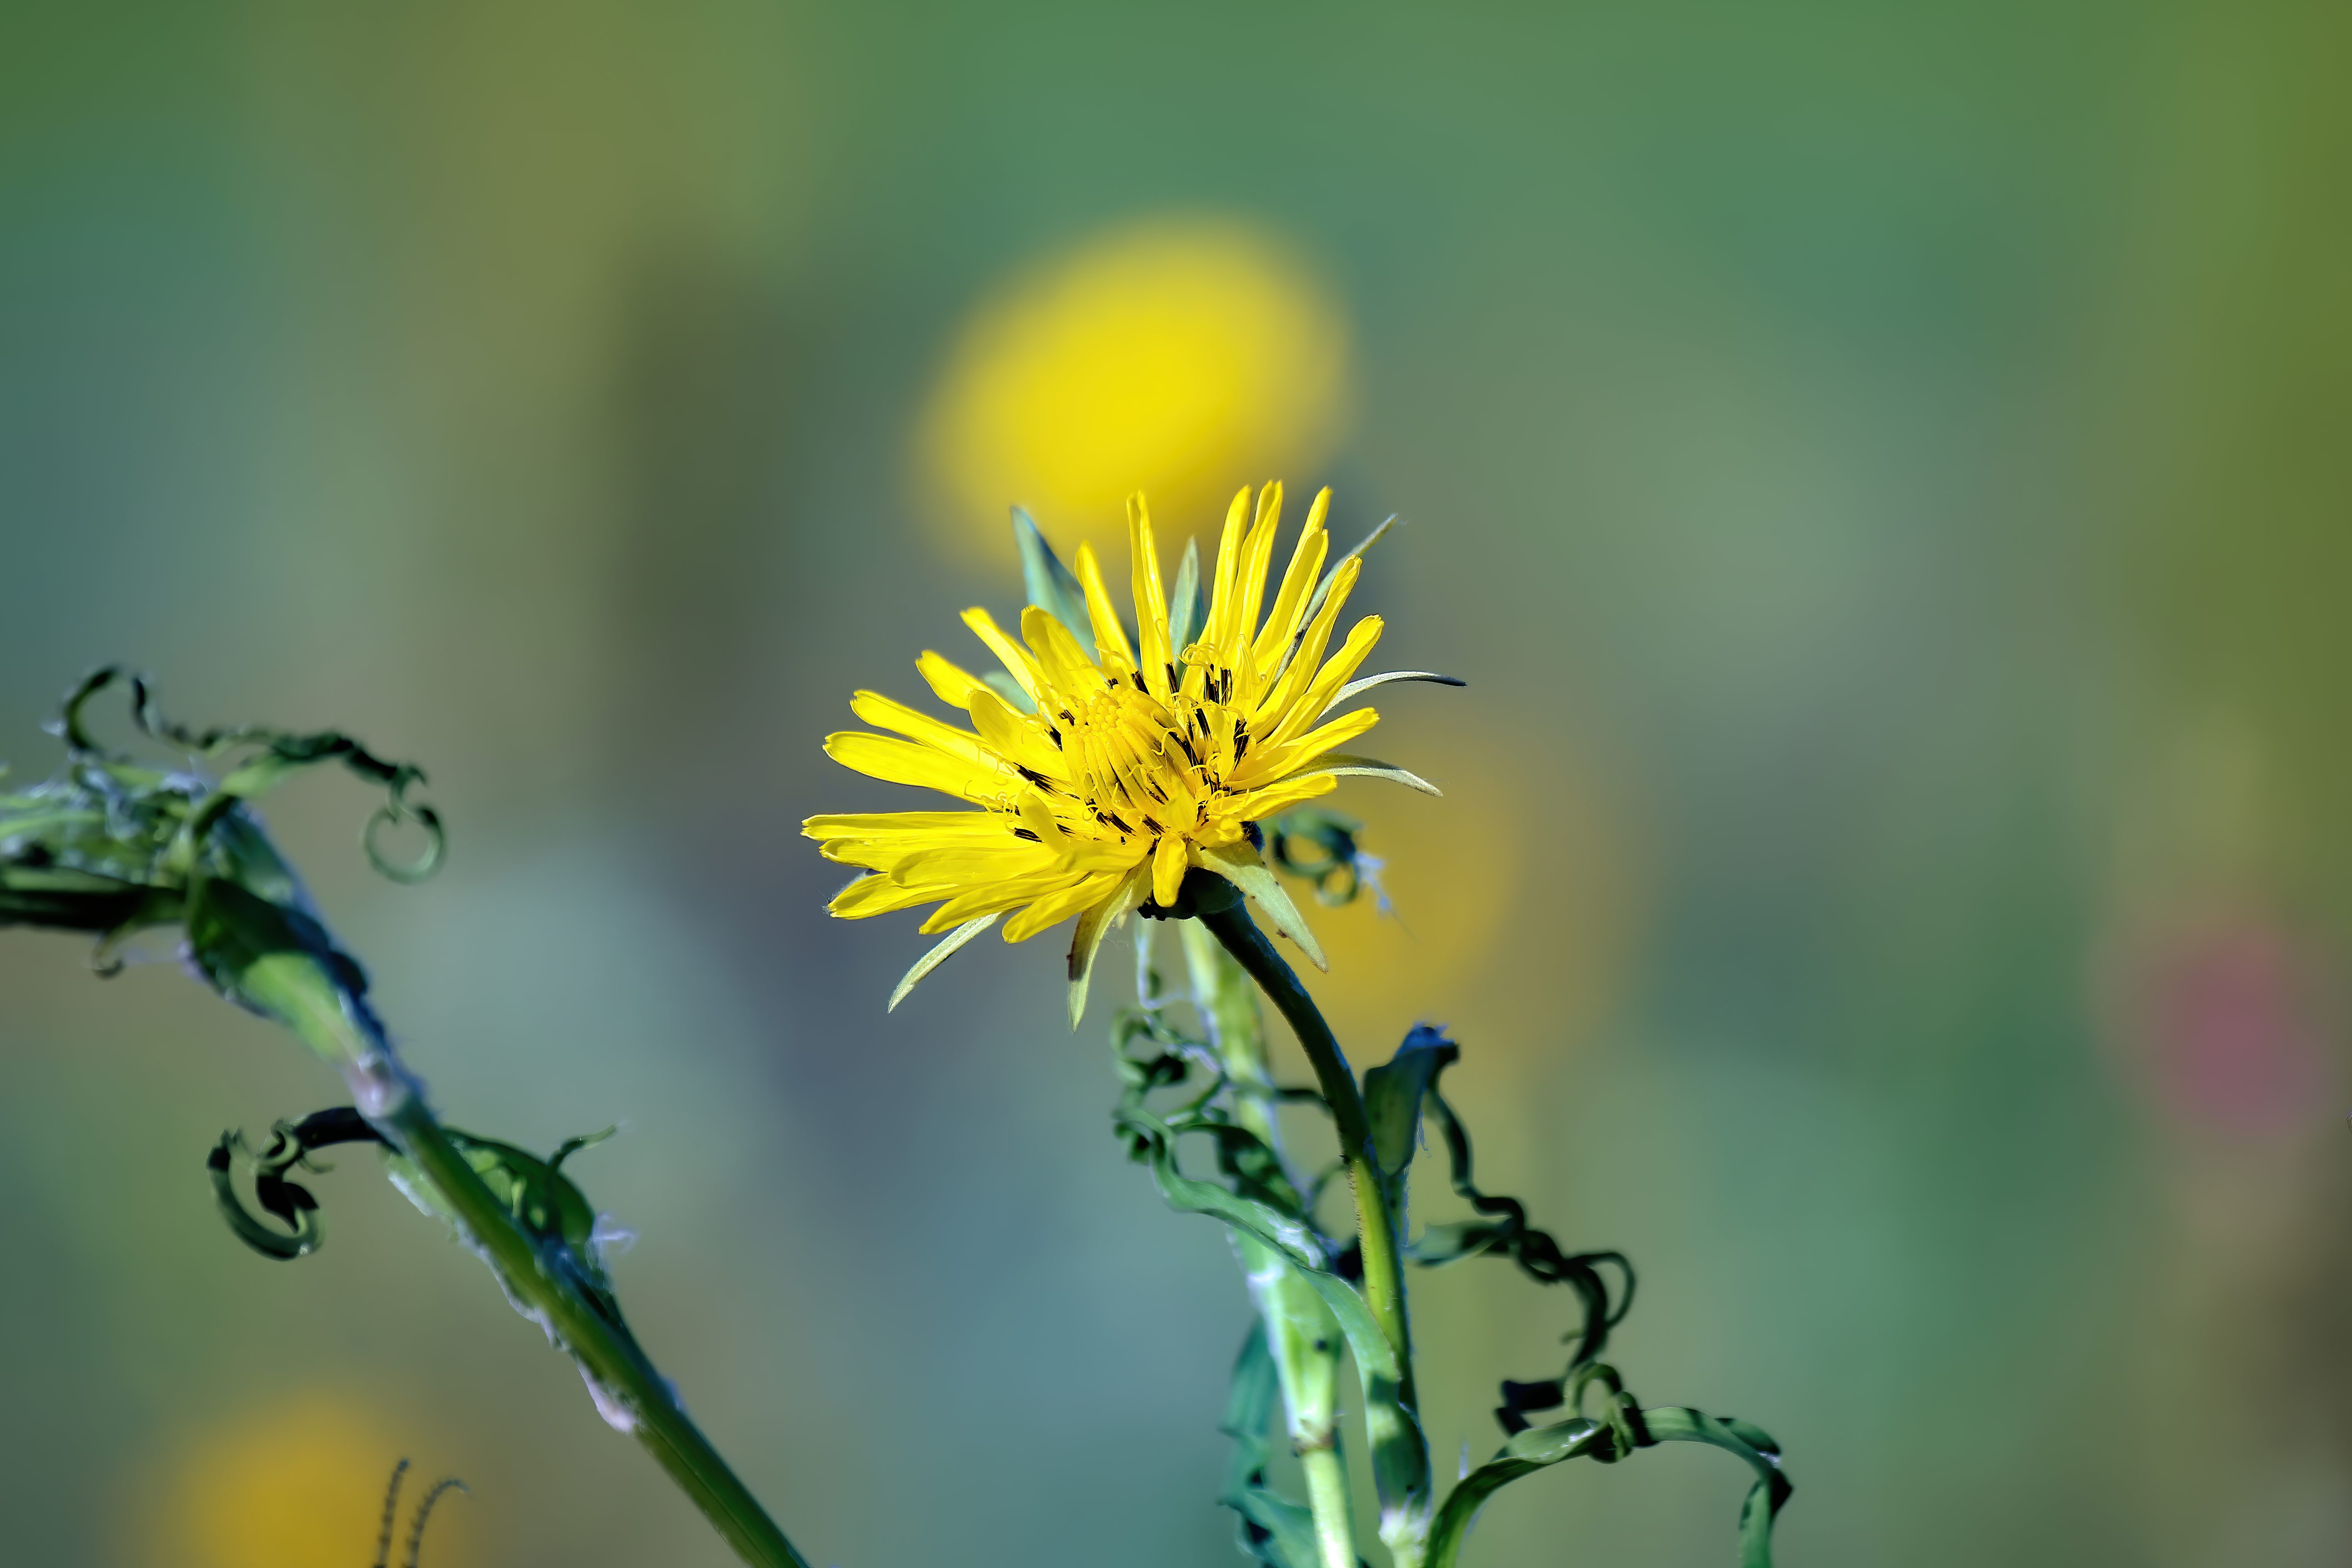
(1144, 769)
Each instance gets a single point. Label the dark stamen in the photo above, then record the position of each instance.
(1025, 833)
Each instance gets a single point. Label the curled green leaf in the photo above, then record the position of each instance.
(292, 1144)
(1607, 1441)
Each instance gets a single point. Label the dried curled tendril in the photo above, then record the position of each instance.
(282, 751)
(544, 1201)
(416, 1527)
(291, 1145)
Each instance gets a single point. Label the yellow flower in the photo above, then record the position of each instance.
(1103, 777)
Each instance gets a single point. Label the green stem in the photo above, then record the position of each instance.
(1300, 1332)
(1406, 1500)
(626, 1383)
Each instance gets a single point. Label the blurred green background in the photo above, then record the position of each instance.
(1882, 470)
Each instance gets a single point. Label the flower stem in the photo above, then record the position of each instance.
(1405, 1503)
(621, 1371)
(1300, 1334)
(626, 1382)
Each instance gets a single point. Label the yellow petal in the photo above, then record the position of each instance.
(1059, 905)
(1012, 655)
(1167, 871)
(1300, 672)
(957, 868)
(1298, 582)
(1324, 690)
(1223, 593)
(1151, 598)
(993, 897)
(952, 684)
(881, 823)
(904, 762)
(1261, 768)
(1110, 637)
(1068, 672)
(1257, 555)
(878, 895)
(884, 713)
(1261, 804)
(1016, 738)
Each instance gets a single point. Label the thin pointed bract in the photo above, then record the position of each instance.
(1100, 769)
(938, 955)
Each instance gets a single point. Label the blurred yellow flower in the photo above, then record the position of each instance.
(1103, 778)
(1162, 356)
(297, 1484)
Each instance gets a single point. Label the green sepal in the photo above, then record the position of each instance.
(1185, 618)
(1053, 587)
(1272, 1530)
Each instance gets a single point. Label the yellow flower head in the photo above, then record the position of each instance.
(1103, 776)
